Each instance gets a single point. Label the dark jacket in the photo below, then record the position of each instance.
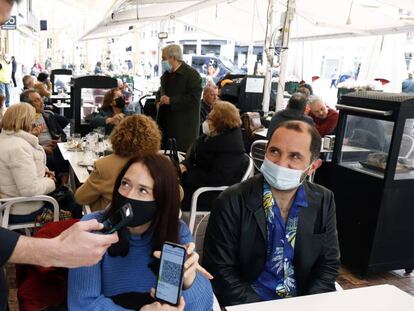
(8, 241)
(204, 111)
(181, 118)
(54, 123)
(287, 115)
(99, 119)
(215, 161)
(235, 242)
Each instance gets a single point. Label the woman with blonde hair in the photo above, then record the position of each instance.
(136, 135)
(217, 157)
(23, 170)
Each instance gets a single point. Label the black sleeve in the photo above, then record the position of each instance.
(221, 253)
(8, 241)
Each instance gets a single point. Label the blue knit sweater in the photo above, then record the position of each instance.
(90, 287)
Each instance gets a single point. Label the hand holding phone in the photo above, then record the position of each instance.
(158, 306)
(189, 268)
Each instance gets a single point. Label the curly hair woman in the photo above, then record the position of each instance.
(136, 135)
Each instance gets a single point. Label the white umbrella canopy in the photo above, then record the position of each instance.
(245, 20)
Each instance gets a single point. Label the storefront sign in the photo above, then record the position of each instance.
(10, 24)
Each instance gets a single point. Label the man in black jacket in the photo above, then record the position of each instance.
(179, 99)
(49, 131)
(239, 247)
(295, 110)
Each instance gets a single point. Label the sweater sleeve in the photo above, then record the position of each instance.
(200, 295)
(23, 169)
(84, 286)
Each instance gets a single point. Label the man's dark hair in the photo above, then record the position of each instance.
(25, 96)
(12, 2)
(297, 102)
(316, 140)
(306, 86)
(42, 77)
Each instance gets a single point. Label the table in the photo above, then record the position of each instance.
(61, 107)
(262, 134)
(378, 298)
(60, 97)
(74, 157)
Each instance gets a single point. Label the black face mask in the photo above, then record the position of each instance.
(120, 102)
(144, 211)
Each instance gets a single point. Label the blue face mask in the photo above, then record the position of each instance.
(282, 178)
(165, 66)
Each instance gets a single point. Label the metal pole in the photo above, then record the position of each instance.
(269, 53)
(288, 17)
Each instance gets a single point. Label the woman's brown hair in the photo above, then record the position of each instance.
(165, 226)
(108, 99)
(224, 116)
(135, 136)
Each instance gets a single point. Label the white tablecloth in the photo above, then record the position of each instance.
(374, 298)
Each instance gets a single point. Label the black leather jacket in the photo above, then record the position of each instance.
(235, 242)
(54, 124)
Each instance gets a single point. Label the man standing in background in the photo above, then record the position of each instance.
(14, 69)
(179, 99)
(5, 77)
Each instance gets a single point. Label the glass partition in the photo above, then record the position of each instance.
(91, 101)
(405, 163)
(366, 145)
(62, 84)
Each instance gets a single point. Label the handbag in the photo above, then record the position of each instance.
(251, 122)
(172, 152)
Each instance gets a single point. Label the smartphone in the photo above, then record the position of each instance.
(118, 220)
(170, 276)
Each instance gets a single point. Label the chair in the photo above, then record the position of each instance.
(338, 287)
(7, 203)
(181, 155)
(258, 151)
(199, 234)
(193, 211)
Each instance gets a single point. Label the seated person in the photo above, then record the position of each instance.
(22, 164)
(49, 132)
(28, 82)
(288, 243)
(43, 85)
(210, 96)
(135, 135)
(217, 157)
(325, 118)
(128, 271)
(112, 111)
(295, 110)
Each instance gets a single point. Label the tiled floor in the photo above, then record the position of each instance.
(346, 279)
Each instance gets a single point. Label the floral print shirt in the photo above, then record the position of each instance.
(278, 278)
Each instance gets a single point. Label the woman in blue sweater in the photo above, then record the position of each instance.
(128, 271)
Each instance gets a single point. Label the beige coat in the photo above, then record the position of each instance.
(22, 170)
(97, 190)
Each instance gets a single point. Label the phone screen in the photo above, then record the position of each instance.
(170, 277)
